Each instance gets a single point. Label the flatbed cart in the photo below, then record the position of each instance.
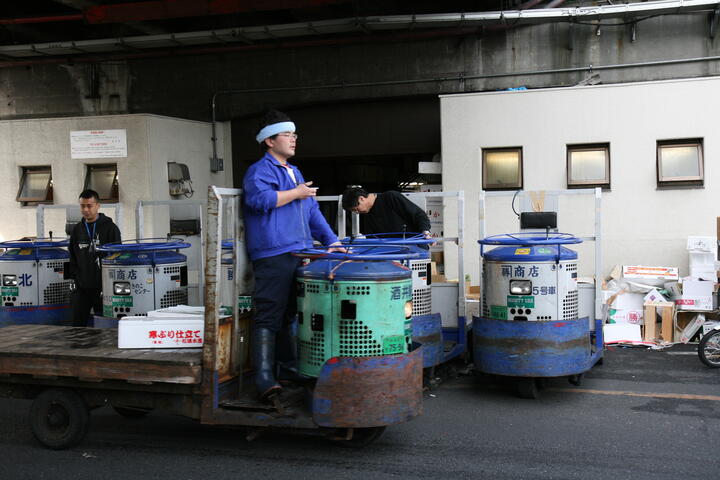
(68, 371)
(530, 327)
(439, 320)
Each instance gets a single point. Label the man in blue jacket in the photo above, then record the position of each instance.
(280, 216)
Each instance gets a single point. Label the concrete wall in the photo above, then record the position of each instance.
(182, 86)
(642, 224)
(152, 141)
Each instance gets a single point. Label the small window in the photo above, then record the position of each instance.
(680, 162)
(104, 180)
(35, 186)
(502, 168)
(588, 165)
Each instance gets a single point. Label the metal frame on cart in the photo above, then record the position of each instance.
(200, 204)
(40, 215)
(597, 193)
(456, 334)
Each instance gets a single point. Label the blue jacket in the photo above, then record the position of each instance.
(271, 230)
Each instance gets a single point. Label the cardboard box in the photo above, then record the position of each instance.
(691, 329)
(648, 275)
(627, 308)
(654, 296)
(182, 331)
(697, 295)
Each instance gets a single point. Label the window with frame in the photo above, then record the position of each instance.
(502, 168)
(35, 186)
(680, 162)
(104, 180)
(588, 165)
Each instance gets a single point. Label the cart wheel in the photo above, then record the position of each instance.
(576, 379)
(59, 418)
(527, 388)
(709, 349)
(132, 412)
(361, 437)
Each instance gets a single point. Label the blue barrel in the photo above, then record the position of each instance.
(143, 275)
(33, 288)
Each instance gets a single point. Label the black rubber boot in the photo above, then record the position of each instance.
(264, 362)
(286, 355)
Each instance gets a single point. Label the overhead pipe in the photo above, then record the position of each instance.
(164, 9)
(48, 19)
(374, 23)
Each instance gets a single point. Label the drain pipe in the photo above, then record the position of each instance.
(588, 68)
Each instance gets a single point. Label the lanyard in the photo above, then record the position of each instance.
(91, 238)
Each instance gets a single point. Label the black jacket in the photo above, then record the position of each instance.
(84, 260)
(393, 212)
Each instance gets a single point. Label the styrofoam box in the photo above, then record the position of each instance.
(706, 244)
(648, 275)
(161, 332)
(178, 309)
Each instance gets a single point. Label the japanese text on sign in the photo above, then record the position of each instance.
(519, 271)
(98, 144)
(398, 292)
(159, 337)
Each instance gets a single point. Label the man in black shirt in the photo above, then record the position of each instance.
(388, 212)
(93, 230)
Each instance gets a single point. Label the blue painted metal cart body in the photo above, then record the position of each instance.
(545, 348)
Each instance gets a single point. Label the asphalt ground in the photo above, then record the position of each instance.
(642, 414)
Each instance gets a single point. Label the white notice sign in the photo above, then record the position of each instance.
(98, 144)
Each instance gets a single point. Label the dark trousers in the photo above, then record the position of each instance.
(275, 291)
(83, 300)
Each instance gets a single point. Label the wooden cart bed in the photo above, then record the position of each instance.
(92, 354)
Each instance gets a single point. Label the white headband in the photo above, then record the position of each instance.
(274, 129)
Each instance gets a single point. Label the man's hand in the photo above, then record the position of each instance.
(304, 190)
(300, 192)
(428, 235)
(337, 249)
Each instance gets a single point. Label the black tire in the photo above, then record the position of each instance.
(59, 418)
(361, 437)
(527, 387)
(576, 379)
(709, 349)
(132, 412)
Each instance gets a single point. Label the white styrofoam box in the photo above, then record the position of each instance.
(709, 325)
(160, 332)
(627, 308)
(701, 258)
(696, 295)
(179, 311)
(621, 332)
(703, 273)
(649, 275)
(705, 244)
